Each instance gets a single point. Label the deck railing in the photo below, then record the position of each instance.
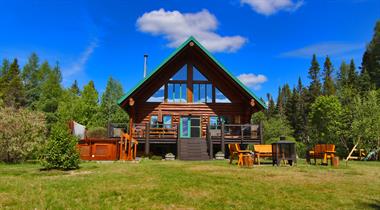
(157, 131)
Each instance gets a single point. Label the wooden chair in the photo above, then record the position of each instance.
(241, 154)
(262, 150)
(323, 152)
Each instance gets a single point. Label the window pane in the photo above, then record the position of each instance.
(170, 92)
(177, 93)
(167, 121)
(183, 93)
(198, 75)
(185, 126)
(220, 98)
(158, 96)
(154, 121)
(202, 93)
(213, 122)
(181, 74)
(209, 93)
(196, 93)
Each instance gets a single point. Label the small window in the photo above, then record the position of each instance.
(181, 74)
(196, 93)
(167, 121)
(198, 76)
(214, 122)
(170, 92)
(220, 98)
(202, 93)
(154, 121)
(183, 93)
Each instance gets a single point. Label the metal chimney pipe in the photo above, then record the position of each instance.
(145, 64)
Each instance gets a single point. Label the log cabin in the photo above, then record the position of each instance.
(191, 106)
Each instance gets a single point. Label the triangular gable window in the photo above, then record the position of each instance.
(158, 96)
(197, 75)
(181, 74)
(220, 97)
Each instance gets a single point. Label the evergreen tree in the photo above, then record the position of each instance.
(31, 80)
(3, 79)
(365, 83)
(90, 99)
(328, 81)
(352, 75)
(342, 79)
(13, 93)
(110, 111)
(75, 88)
(371, 57)
(50, 91)
(271, 106)
(315, 84)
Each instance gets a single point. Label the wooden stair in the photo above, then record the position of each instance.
(193, 149)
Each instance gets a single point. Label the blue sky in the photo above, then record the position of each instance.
(265, 43)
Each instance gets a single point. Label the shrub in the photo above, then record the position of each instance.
(97, 132)
(61, 151)
(22, 134)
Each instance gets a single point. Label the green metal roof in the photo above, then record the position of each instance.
(191, 38)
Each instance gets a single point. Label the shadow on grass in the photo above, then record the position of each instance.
(374, 204)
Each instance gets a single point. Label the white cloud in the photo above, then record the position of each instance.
(78, 65)
(176, 27)
(323, 49)
(270, 7)
(252, 80)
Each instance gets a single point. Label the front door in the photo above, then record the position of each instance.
(190, 127)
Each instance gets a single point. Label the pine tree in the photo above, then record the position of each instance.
(13, 93)
(110, 111)
(315, 84)
(3, 79)
(328, 82)
(31, 80)
(75, 88)
(342, 79)
(352, 75)
(371, 57)
(90, 102)
(271, 106)
(50, 92)
(365, 83)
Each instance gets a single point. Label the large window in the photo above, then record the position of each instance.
(177, 88)
(177, 92)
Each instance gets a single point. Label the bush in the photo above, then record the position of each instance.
(22, 134)
(61, 151)
(97, 132)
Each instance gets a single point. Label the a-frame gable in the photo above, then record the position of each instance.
(178, 59)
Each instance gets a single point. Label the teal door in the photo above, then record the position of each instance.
(190, 127)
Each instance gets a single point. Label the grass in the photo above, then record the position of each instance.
(190, 185)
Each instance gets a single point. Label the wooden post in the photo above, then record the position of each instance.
(261, 132)
(147, 146)
(178, 144)
(208, 134)
(242, 134)
(222, 139)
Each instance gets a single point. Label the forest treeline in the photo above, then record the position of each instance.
(340, 105)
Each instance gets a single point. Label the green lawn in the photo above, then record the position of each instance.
(191, 185)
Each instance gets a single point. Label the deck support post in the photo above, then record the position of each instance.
(178, 144)
(222, 139)
(261, 133)
(147, 139)
(208, 136)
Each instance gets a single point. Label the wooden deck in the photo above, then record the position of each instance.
(223, 135)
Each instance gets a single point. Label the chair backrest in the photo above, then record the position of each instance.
(232, 148)
(263, 148)
(330, 147)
